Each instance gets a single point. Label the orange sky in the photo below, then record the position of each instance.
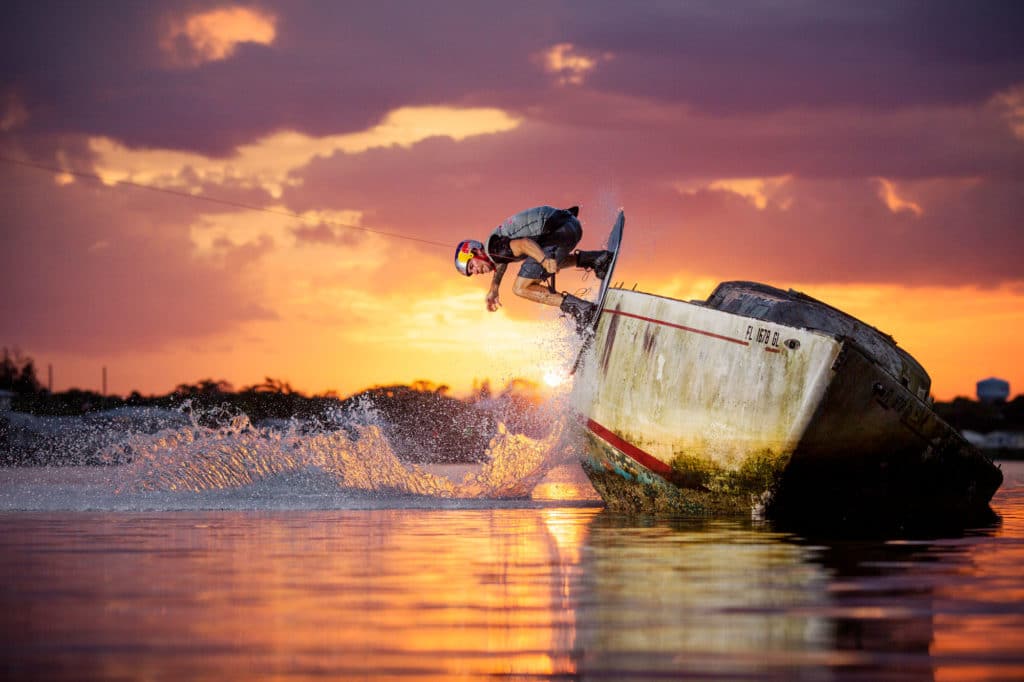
(891, 199)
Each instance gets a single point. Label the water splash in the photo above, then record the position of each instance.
(351, 457)
(516, 464)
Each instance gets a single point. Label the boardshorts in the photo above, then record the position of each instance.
(557, 244)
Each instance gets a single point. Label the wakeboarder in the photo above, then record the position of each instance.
(543, 238)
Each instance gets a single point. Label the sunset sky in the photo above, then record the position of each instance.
(868, 154)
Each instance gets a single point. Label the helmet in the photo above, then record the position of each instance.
(465, 252)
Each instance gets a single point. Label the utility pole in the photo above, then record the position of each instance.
(104, 381)
(49, 377)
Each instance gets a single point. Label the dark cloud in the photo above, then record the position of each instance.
(338, 67)
(836, 228)
(106, 270)
(839, 231)
(333, 68)
(832, 94)
(756, 57)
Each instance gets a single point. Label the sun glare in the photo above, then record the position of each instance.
(554, 378)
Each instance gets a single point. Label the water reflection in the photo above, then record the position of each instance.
(703, 596)
(742, 599)
(426, 594)
(527, 593)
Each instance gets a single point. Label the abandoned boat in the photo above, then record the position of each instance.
(764, 400)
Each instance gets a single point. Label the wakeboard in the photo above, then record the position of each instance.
(614, 242)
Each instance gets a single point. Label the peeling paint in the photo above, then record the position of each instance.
(698, 410)
(705, 390)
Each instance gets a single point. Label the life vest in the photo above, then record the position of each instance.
(532, 223)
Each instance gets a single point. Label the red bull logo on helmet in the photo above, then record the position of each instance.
(465, 252)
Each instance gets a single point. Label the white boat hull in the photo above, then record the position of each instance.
(690, 408)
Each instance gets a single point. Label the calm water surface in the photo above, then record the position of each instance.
(534, 591)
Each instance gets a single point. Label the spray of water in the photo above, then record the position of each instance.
(147, 458)
(354, 456)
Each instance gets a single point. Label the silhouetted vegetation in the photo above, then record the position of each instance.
(425, 424)
(422, 421)
(970, 415)
(18, 373)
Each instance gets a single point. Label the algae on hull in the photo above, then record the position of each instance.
(695, 485)
(758, 473)
(760, 398)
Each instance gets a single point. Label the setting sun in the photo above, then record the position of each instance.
(519, 340)
(553, 378)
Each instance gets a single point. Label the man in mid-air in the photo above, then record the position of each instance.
(544, 239)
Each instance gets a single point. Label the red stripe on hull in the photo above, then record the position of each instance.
(630, 450)
(677, 326)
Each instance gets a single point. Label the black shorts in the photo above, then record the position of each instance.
(557, 244)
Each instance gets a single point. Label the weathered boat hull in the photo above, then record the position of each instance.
(688, 407)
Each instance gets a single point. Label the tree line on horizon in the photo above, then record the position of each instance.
(277, 399)
(18, 375)
(422, 420)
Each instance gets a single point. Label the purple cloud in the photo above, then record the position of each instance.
(105, 270)
(332, 68)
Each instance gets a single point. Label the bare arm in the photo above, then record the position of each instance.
(528, 247)
(492, 295)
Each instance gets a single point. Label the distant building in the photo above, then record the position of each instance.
(974, 438)
(5, 401)
(1005, 440)
(999, 441)
(993, 390)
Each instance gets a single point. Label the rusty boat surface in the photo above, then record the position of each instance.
(766, 401)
